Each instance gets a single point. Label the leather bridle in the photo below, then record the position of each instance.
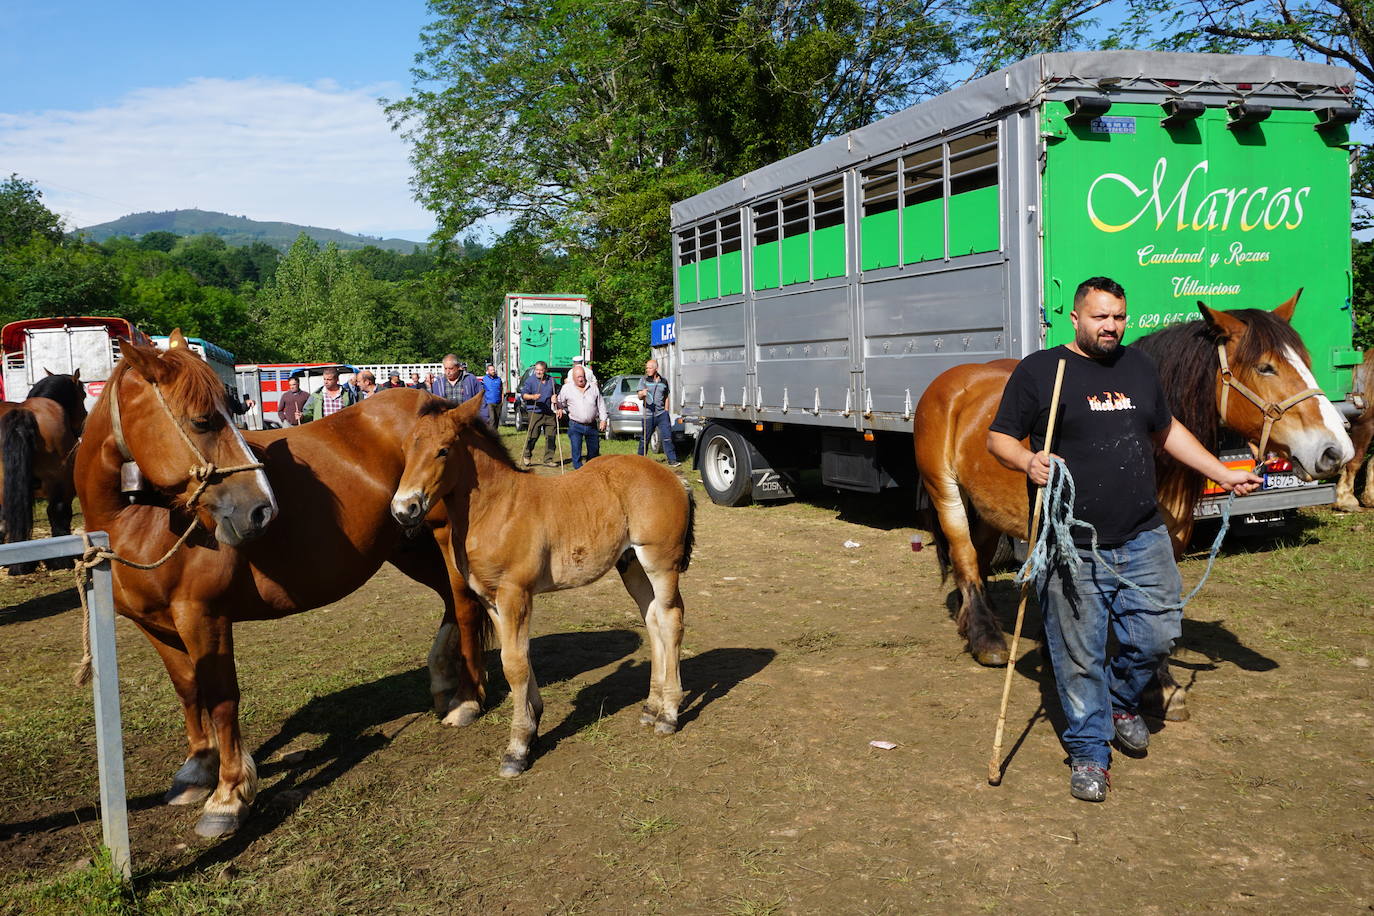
(1273, 412)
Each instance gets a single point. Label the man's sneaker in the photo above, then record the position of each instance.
(1132, 735)
(675, 464)
(525, 461)
(1089, 781)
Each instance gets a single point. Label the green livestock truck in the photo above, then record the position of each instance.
(817, 297)
(552, 327)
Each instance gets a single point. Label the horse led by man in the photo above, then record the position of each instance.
(627, 511)
(977, 500)
(290, 523)
(38, 437)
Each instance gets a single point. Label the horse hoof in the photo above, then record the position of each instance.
(512, 767)
(647, 716)
(461, 717)
(1177, 712)
(216, 825)
(995, 657)
(184, 793)
(665, 727)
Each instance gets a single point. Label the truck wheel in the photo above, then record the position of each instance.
(725, 471)
(656, 442)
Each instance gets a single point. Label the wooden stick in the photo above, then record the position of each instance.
(995, 763)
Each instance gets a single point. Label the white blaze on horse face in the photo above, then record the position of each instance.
(259, 475)
(1308, 445)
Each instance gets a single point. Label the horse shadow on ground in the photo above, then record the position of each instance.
(38, 607)
(705, 678)
(358, 721)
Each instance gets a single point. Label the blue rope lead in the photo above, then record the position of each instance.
(1058, 551)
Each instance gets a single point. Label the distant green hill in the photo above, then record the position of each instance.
(235, 230)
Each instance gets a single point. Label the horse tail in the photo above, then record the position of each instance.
(688, 536)
(18, 441)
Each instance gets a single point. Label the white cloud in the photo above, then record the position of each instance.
(316, 154)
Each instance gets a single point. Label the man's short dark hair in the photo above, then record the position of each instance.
(542, 363)
(328, 373)
(1101, 284)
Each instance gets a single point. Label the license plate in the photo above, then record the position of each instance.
(1281, 481)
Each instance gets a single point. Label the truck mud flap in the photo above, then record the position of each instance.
(769, 484)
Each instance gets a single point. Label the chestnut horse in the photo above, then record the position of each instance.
(38, 437)
(977, 500)
(164, 412)
(516, 535)
(1361, 432)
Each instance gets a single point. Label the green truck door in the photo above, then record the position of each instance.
(1234, 218)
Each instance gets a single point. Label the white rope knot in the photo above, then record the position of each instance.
(1054, 548)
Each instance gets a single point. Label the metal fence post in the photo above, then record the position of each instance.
(109, 736)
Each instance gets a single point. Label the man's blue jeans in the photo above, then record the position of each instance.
(1091, 686)
(658, 419)
(583, 432)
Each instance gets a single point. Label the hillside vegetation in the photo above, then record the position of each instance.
(235, 230)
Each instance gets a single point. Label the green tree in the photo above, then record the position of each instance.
(23, 215)
(158, 240)
(584, 121)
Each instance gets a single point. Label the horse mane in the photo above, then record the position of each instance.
(497, 448)
(63, 389)
(1186, 356)
(191, 383)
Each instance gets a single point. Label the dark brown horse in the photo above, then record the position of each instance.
(38, 439)
(1361, 432)
(291, 524)
(512, 540)
(976, 500)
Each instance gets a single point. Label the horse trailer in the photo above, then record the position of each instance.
(817, 297)
(36, 347)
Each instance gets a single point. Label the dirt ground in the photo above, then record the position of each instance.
(800, 650)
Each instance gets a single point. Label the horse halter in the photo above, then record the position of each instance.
(204, 472)
(1273, 412)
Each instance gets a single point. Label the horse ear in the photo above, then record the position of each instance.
(1227, 324)
(76, 374)
(176, 339)
(48, 371)
(469, 409)
(146, 361)
(1286, 310)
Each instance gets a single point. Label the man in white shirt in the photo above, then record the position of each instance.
(586, 413)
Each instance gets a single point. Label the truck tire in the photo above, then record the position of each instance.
(724, 467)
(656, 442)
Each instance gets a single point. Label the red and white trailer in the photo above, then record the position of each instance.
(36, 346)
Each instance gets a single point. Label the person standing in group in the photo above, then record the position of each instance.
(367, 385)
(586, 412)
(655, 395)
(449, 384)
(537, 393)
(416, 383)
(330, 399)
(1113, 416)
(587, 367)
(492, 389)
(469, 385)
(289, 405)
(394, 381)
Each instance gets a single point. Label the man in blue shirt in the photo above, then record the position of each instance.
(654, 394)
(449, 385)
(537, 393)
(491, 396)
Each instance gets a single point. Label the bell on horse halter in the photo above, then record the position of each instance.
(130, 479)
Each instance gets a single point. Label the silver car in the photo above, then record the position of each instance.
(623, 406)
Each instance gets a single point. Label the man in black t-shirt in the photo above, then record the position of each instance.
(1113, 413)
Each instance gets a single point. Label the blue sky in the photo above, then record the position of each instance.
(267, 110)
